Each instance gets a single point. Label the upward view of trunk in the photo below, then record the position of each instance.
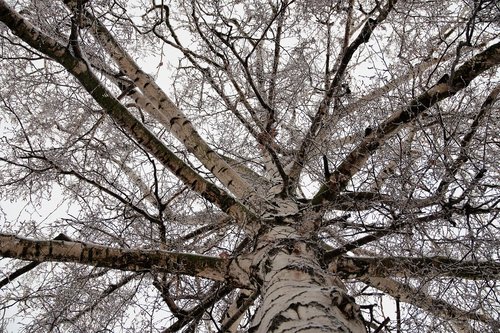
(298, 294)
(249, 166)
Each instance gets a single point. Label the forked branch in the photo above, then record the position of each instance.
(344, 60)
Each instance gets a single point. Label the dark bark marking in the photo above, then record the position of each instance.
(37, 250)
(326, 169)
(268, 265)
(280, 319)
(274, 251)
(277, 321)
(345, 303)
(90, 254)
(24, 251)
(173, 120)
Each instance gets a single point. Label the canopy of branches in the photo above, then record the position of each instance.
(166, 141)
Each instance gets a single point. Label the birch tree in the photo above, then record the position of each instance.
(250, 166)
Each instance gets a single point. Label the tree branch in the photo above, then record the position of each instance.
(233, 315)
(354, 161)
(23, 270)
(133, 260)
(395, 226)
(344, 59)
(177, 122)
(362, 267)
(215, 294)
(422, 300)
(80, 69)
(465, 142)
(104, 294)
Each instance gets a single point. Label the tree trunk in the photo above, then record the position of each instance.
(298, 295)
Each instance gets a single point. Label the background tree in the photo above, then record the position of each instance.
(311, 166)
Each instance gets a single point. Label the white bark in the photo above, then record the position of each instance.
(378, 266)
(297, 294)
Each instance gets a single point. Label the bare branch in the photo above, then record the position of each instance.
(422, 300)
(80, 69)
(178, 124)
(471, 69)
(215, 294)
(105, 293)
(361, 267)
(464, 143)
(133, 260)
(237, 308)
(343, 62)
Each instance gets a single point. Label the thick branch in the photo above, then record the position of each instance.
(134, 260)
(415, 267)
(80, 69)
(422, 300)
(344, 59)
(445, 88)
(26, 268)
(178, 124)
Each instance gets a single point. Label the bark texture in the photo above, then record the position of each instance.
(403, 194)
(298, 295)
(135, 260)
